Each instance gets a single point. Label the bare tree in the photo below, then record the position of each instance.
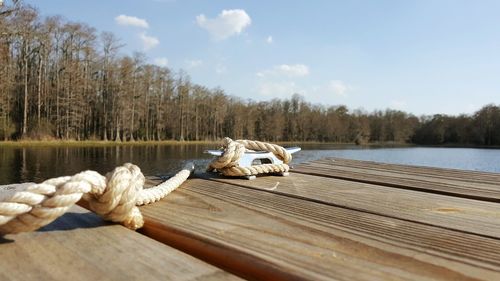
(59, 80)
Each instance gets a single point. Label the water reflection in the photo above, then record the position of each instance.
(39, 163)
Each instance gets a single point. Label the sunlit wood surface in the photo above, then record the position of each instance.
(332, 219)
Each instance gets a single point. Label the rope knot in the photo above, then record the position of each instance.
(114, 197)
(115, 200)
(233, 151)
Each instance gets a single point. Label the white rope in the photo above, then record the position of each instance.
(115, 197)
(151, 195)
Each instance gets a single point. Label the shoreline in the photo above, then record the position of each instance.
(101, 143)
(86, 143)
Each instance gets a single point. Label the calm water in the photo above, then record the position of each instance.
(39, 163)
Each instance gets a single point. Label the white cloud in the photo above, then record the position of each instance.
(226, 24)
(269, 39)
(163, 62)
(277, 89)
(398, 104)
(472, 107)
(338, 88)
(131, 21)
(148, 42)
(220, 68)
(193, 63)
(296, 70)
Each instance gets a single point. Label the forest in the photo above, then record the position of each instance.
(65, 80)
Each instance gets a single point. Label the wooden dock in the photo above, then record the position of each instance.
(332, 219)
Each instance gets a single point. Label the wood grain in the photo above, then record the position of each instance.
(466, 175)
(487, 180)
(271, 236)
(464, 215)
(80, 246)
(465, 184)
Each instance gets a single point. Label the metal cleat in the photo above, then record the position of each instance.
(251, 158)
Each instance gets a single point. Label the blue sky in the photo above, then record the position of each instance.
(420, 56)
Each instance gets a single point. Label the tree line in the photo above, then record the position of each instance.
(64, 80)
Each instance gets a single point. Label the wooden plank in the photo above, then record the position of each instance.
(438, 181)
(81, 246)
(429, 183)
(437, 173)
(465, 215)
(441, 172)
(265, 235)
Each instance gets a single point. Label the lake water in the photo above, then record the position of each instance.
(22, 164)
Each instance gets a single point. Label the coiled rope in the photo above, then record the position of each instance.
(228, 162)
(115, 197)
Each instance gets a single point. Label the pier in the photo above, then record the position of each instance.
(331, 219)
